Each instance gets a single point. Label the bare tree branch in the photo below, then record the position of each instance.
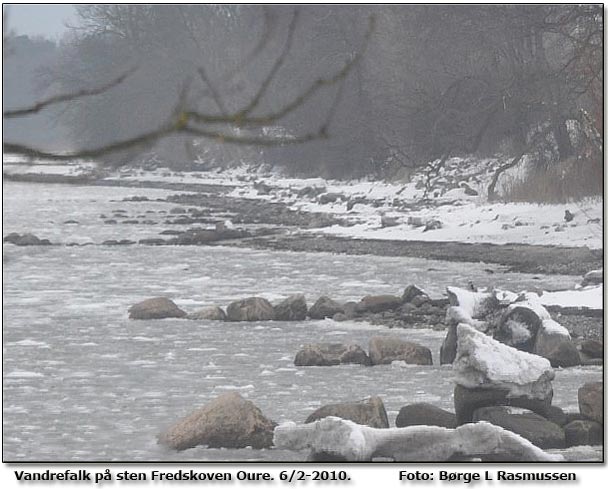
(68, 97)
(275, 68)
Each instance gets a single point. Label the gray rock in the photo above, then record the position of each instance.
(583, 432)
(410, 292)
(467, 401)
(293, 308)
(564, 355)
(324, 308)
(327, 354)
(330, 198)
(387, 349)
(531, 426)
(368, 412)
(423, 413)
(378, 303)
(593, 348)
(556, 415)
(250, 309)
(229, 421)
(447, 352)
(213, 313)
(155, 308)
(590, 401)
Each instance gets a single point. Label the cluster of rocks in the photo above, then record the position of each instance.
(491, 379)
(413, 307)
(383, 350)
(25, 239)
(520, 321)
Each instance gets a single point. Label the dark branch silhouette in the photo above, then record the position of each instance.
(67, 97)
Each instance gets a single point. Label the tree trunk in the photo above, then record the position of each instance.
(562, 138)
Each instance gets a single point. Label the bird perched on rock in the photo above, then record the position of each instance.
(568, 216)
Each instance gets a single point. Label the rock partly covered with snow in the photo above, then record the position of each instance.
(353, 442)
(554, 343)
(155, 308)
(228, 421)
(483, 362)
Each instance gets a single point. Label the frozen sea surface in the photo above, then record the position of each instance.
(82, 382)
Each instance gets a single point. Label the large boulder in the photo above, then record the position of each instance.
(349, 441)
(368, 412)
(583, 432)
(155, 308)
(378, 303)
(482, 362)
(520, 323)
(467, 401)
(213, 313)
(327, 354)
(324, 308)
(387, 349)
(250, 309)
(554, 343)
(293, 308)
(423, 413)
(540, 431)
(590, 401)
(229, 421)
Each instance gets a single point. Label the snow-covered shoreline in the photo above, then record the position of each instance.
(389, 210)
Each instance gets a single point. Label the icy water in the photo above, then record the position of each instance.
(82, 382)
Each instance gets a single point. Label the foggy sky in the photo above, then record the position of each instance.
(39, 20)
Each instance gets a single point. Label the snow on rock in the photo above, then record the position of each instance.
(354, 443)
(483, 362)
(475, 304)
(457, 315)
